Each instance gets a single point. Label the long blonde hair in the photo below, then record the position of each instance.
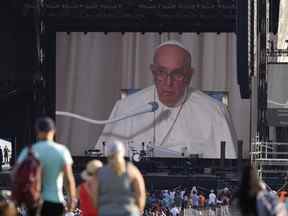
(117, 163)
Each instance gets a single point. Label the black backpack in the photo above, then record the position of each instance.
(27, 179)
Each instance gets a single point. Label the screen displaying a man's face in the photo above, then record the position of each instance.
(92, 68)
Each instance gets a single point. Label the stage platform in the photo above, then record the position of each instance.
(162, 173)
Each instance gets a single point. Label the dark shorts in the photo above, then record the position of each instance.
(50, 208)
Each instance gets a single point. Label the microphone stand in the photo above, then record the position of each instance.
(150, 107)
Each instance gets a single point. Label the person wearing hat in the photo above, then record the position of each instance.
(187, 121)
(84, 189)
(118, 188)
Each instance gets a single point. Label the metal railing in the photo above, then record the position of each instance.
(270, 157)
(224, 210)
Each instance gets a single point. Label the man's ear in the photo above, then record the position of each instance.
(189, 75)
(151, 68)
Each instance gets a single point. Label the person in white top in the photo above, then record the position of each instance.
(187, 121)
(174, 211)
(194, 189)
(212, 198)
(172, 195)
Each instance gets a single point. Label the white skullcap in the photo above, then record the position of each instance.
(116, 147)
(171, 42)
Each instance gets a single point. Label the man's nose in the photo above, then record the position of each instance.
(169, 80)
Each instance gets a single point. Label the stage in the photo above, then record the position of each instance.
(163, 173)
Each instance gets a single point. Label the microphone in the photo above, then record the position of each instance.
(154, 106)
(150, 107)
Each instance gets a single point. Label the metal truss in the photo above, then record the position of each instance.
(257, 40)
(270, 158)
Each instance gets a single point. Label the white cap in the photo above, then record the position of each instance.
(171, 42)
(91, 169)
(116, 147)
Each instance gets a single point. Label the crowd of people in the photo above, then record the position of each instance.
(174, 202)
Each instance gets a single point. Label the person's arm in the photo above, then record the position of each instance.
(138, 186)
(78, 192)
(70, 187)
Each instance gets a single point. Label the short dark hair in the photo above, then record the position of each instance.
(44, 124)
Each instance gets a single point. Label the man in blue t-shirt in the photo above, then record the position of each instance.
(56, 163)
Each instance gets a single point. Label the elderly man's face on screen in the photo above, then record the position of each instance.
(172, 73)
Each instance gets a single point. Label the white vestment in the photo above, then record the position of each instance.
(195, 128)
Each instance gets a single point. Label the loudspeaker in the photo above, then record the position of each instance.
(242, 41)
(274, 6)
(242, 48)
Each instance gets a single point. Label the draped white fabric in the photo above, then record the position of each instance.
(277, 86)
(282, 28)
(92, 68)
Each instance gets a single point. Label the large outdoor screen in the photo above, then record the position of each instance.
(92, 70)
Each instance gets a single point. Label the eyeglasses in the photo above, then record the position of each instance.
(162, 74)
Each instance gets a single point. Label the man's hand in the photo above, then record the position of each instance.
(71, 204)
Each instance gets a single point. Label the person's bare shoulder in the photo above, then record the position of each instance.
(133, 171)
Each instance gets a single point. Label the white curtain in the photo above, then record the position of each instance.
(282, 26)
(282, 35)
(92, 68)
